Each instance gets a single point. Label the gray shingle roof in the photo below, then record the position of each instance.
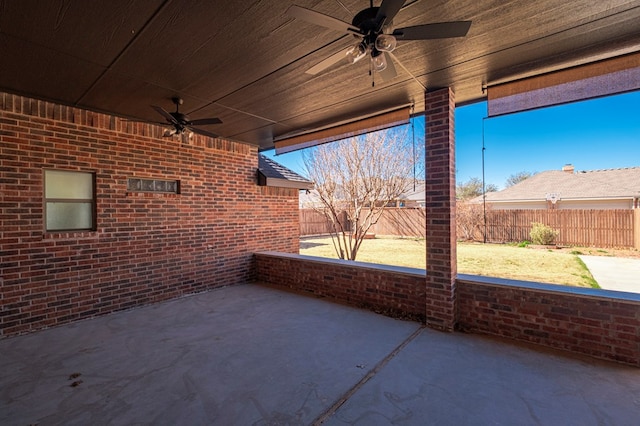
(416, 192)
(275, 174)
(590, 184)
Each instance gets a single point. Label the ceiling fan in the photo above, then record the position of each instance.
(180, 123)
(373, 27)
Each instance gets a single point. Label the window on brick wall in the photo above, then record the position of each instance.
(69, 200)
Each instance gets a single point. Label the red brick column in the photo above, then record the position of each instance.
(440, 209)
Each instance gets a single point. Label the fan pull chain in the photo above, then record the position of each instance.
(372, 74)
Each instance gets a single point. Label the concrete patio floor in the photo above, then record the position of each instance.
(252, 355)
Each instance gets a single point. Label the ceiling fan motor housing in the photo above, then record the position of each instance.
(370, 30)
(180, 122)
(366, 20)
(181, 118)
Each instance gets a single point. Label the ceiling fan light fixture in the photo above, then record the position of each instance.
(168, 132)
(357, 52)
(385, 43)
(379, 62)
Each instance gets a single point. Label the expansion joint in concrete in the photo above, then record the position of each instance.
(375, 370)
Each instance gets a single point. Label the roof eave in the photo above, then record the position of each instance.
(284, 183)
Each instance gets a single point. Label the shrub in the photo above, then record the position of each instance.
(524, 243)
(541, 234)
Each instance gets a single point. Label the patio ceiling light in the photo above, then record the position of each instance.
(358, 52)
(379, 61)
(169, 132)
(385, 43)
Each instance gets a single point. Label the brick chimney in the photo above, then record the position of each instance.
(568, 168)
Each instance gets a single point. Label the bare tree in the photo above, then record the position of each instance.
(469, 220)
(473, 188)
(360, 177)
(517, 178)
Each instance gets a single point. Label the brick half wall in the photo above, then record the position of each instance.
(390, 290)
(599, 323)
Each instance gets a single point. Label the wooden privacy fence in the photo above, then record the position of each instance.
(314, 223)
(597, 228)
(406, 222)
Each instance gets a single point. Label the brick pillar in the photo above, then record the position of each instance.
(440, 209)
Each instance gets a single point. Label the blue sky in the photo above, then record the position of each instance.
(596, 134)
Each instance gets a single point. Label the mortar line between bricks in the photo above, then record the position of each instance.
(375, 370)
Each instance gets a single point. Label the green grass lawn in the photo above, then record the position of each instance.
(493, 260)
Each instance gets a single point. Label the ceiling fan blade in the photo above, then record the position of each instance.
(388, 10)
(203, 132)
(320, 19)
(333, 59)
(433, 31)
(205, 121)
(390, 71)
(170, 118)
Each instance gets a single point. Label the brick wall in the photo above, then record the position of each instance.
(598, 323)
(147, 247)
(393, 291)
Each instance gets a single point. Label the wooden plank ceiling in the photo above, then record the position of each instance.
(244, 61)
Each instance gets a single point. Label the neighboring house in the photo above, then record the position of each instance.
(309, 199)
(570, 189)
(413, 197)
(271, 173)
